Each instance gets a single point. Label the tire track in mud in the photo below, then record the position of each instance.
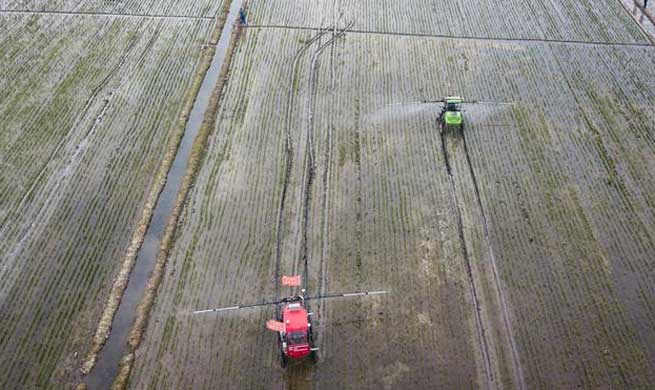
(288, 162)
(482, 340)
(319, 322)
(517, 369)
(326, 193)
(310, 161)
(310, 171)
(310, 166)
(516, 363)
(297, 376)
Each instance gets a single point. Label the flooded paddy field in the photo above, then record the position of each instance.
(517, 254)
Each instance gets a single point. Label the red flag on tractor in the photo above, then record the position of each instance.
(291, 281)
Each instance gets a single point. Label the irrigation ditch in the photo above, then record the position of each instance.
(125, 316)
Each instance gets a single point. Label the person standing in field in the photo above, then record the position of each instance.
(242, 16)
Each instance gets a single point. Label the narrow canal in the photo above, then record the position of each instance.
(103, 374)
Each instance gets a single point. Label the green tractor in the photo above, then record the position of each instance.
(451, 117)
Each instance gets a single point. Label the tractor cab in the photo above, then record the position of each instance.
(451, 116)
(296, 335)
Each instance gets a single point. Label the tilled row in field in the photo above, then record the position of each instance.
(510, 19)
(173, 8)
(87, 107)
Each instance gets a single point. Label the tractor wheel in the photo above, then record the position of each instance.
(282, 356)
(310, 336)
(314, 356)
(283, 359)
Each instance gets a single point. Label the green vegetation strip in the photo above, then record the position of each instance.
(195, 162)
(120, 283)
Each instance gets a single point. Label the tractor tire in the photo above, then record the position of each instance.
(314, 356)
(283, 360)
(311, 337)
(282, 357)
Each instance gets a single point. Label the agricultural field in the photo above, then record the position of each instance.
(89, 107)
(517, 256)
(165, 8)
(506, 19)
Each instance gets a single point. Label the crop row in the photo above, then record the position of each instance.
(88, 107)
(147, 7)
(515, 19)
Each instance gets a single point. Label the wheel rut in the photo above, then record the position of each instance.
(288, 161)
(516, 364)
(481, 332)
(485, 325)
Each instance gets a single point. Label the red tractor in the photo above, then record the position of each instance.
(294, 321)
(295, 332)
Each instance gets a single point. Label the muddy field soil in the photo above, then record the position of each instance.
(518, 256)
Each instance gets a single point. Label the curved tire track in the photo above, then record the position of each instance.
(288, 161)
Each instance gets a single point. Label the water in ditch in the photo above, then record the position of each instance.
(106, 368)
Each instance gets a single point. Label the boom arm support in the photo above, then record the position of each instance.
(291, 299)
